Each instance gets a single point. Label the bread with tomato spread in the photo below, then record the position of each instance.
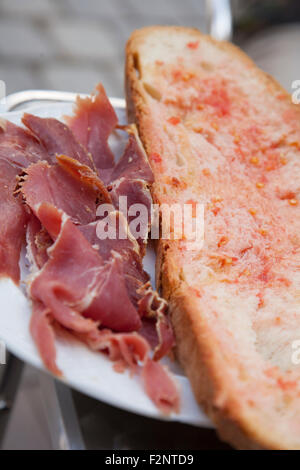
(220, 132)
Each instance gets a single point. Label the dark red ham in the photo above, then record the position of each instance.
(18, 149)
(105, 246)
(85, 175)
(50, 183)
(81, 291)
(38, 241)
(137, 206)
(124, 243)
(130, 179)
(93, 121)
(19, 146)
(160, 387)
(111, 306)
(134, 163)
(91, 286)
(145, 299)
(56, 138)
(13, 219)
(75, 281)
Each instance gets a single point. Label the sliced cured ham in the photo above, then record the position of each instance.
(129, 187)
(38, 241)
(13, 220)
(135, 197)
(145, 299)
(81, 291)
(92, 286)
(85, 175)
(18, 149)
(160, 387)
(41, 329)
(130, 348)
(152, 306)
(134, 163)
(75, 283)
(56, 138)
(19, 145)
(128, 248)
(93, 121)
(111, 305)
(121, 244)
(50, 183)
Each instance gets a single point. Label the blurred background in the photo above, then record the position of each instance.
(71, 45)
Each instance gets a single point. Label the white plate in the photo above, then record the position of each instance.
(85, 370)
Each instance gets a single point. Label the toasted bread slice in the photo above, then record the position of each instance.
(221, 132)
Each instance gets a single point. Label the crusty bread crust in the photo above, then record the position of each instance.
(242, 429)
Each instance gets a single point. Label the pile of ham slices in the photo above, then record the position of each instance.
(53, 177)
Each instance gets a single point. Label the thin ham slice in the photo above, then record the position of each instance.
(18, 149)
(13, 219)
(70, 186)
(131, 178)
(134, 162)
(152, 306)
(144, 298)
(20, 146)
(50, 183)
(85, 175)
(93, 121)
(81, 292)
(138, 198)
(43, 335)
(131, 350)
(56, 138)
(160, 387)
(37, 243)
(76, 283)
(124, 243)
(112, 306)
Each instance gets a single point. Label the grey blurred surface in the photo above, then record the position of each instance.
(276, 51)
(74, 44)
(102, 426)
(27, 427)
